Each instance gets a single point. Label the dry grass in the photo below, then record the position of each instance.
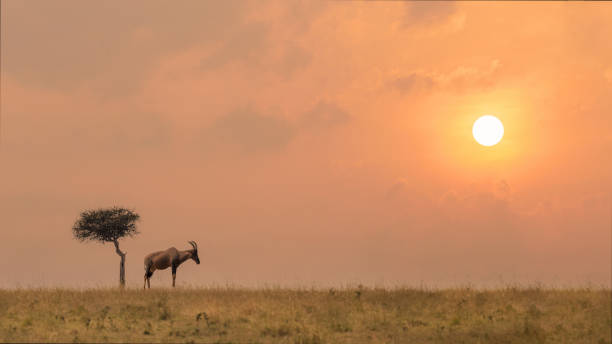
(358, 315)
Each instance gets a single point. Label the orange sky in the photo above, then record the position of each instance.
(309, 143)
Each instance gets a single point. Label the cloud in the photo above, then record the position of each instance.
(463, 78)
(128, 132)
(460, 79)
(324, 115)
(432, 18)
(428, 13)
(60, 124)
(294, 58)
(246, 43)
(116, 43)
(256, 46)
(249, 131)
(414, 83)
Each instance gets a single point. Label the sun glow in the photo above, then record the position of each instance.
(488, 130)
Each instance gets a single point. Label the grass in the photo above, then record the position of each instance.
(352, 315)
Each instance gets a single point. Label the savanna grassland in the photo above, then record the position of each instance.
(352, 315)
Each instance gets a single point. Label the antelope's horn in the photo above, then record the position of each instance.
(193, 244)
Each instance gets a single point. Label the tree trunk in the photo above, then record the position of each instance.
(121, 264)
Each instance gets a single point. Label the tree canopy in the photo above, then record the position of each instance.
(105, 225)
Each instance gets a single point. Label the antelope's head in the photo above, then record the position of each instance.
(194, 253)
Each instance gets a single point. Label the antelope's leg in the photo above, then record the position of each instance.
(173, 275)
(148, 275)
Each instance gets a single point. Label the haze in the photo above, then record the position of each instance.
(309, 143)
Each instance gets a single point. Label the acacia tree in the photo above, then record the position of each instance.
(107, 225)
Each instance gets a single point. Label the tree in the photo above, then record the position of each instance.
(107, 225)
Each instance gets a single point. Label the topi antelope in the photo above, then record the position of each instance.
(171, 257)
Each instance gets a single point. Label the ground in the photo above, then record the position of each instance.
(275, 315)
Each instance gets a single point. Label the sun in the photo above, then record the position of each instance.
(488, 130)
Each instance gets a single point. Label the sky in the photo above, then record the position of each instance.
(305, 143)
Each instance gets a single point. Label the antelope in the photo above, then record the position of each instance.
(161, 260)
